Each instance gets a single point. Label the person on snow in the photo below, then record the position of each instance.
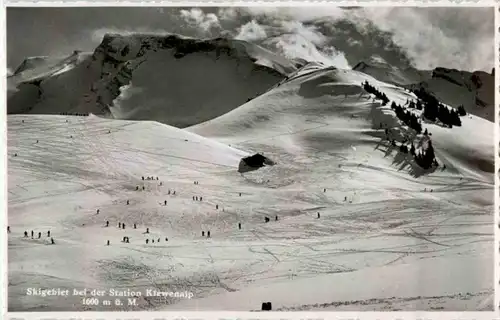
(276, 218)
(8, 229)
(128, 240)
(166, 239)
(239, 225)
(137, 188)
(39, 235)
(345, 198)
(201, 198)
(147, 230)
(203, 233)
(119, 225)
(124, 239)
(240, 194)
(15, 154)
(208, 234)
(165, 202)
(142, 187)
(32, 233)
(128, 202)
(147, 241)
(216, 206)
(193, 198)
(48, 233)
(97, 211)
(157, 179)
(142, 178)
(107, 243)
(174, 192)
(25, 234)
(161, 183)
(37, 141)
(107, 223)
(324, 190)
(153, 241)
(123, 225)
(318, 215)
(52, 241)
(135, 226)
(196, 198)
(158, 240)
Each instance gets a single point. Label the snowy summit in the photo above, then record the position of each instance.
(218, 174)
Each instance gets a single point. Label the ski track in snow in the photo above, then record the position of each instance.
(408, 249)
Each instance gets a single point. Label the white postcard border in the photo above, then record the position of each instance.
(208, 315)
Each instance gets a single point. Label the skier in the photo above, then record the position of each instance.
(107, 243)
(147, 230)
(208, 234)
(239, 225)
(128, 240)
(147, 241)
(32, 234)
(217, 206)
(137, 188)
(39, 235)
(37, 141)
(174, 192)
(165, 202)
(324, 190)
(107, 223)
(166, 239)
(276, 218)
(157, 179)
(203, 233)
(97, 211)
(161, 183)
(318, 215)
(135, 226)
(124, 239)
(25, 234)
(8, 229)
(201, 198)
(128, 202)
(143, 178)
(123, 225)
(52, 241)
(119, 225)
(15, 154)
(158, 240)
(142, 187)
(266, 219)
(153, 241)
(193, 198)
(240, 194)
(345, 198)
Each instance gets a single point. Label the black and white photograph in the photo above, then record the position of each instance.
(250, 158)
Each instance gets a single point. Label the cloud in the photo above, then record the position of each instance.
(461, 38)
(251, 31)
(204, 21)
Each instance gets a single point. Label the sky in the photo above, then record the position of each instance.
(424, 38)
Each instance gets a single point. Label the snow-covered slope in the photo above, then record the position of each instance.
(412, 240)
(475, 91)
(171, 79)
